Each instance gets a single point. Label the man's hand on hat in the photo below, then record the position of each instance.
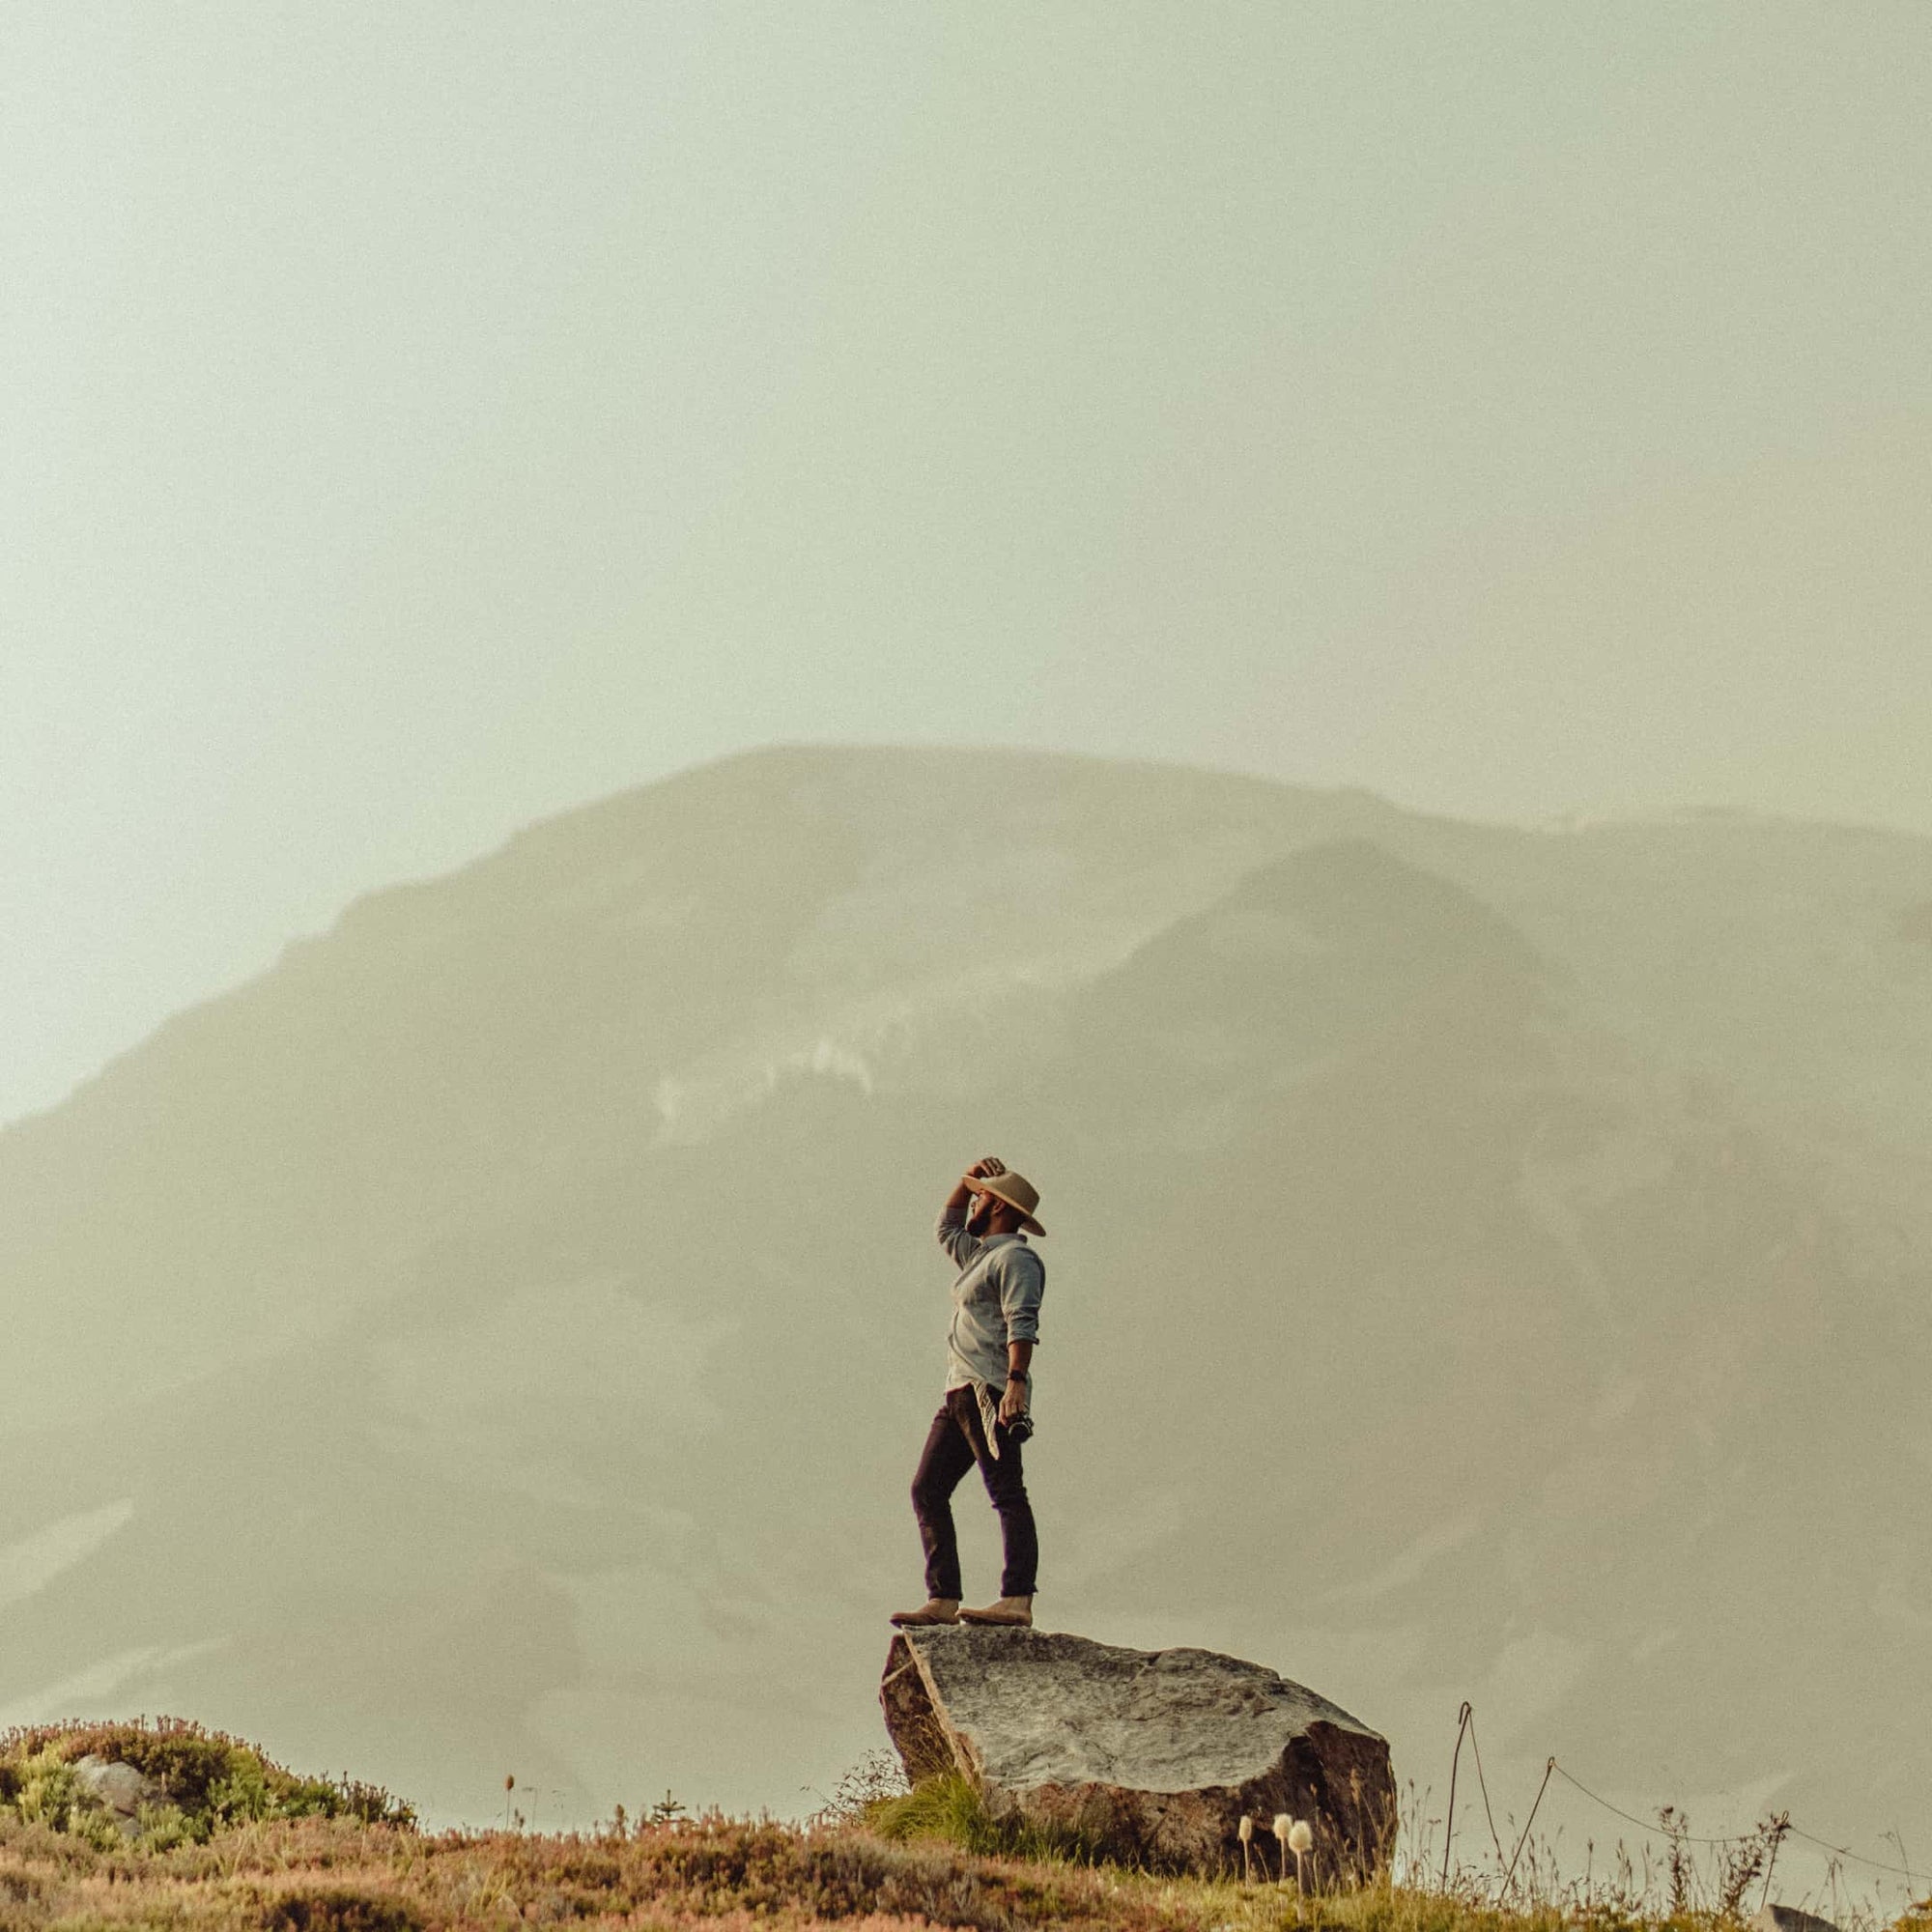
(986, 1169)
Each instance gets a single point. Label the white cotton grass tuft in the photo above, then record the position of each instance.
(1298, 1838)
(1282, 1824)
(1246, 1834)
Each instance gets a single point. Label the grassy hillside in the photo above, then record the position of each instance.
(337, 1875)
(324, 1876)
(341, 1875)
(239, 1842)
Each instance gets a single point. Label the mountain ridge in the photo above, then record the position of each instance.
(452, 1309)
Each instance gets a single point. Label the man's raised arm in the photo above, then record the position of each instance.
(951, 1228)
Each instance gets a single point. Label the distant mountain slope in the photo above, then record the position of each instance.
(1482, 1262)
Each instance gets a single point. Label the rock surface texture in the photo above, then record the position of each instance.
(1788, 1919)
(120, 1787)
(1151, 1755)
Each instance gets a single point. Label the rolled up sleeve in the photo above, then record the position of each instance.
(1022, 1289)
(956, 1242)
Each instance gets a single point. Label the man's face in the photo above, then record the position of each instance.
(980, 1216)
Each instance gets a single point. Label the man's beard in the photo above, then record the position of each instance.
(978, 1216)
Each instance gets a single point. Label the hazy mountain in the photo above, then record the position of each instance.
(1482, 1262)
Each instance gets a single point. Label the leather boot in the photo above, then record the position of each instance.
(934, 1610)
(1016, 1611)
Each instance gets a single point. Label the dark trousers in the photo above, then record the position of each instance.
(955, 1442)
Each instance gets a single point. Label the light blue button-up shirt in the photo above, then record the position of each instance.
(995, 1301)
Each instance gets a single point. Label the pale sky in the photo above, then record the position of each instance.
(418, 418)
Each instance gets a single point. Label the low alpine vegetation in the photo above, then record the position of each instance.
(189, 1784)
(229, 1842)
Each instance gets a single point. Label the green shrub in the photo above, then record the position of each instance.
(950, 1808)
(208, 1783)
(45, 1789)
(164, 1826)
(242, 1794)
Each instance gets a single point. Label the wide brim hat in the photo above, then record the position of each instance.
(1015, 1190)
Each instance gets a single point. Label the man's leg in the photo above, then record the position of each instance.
(945, 1460)
(1005, 1477)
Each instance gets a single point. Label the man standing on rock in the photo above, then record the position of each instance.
(984, 1417)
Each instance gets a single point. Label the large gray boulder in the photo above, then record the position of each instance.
(119, 1787)
(1789, 1918)
(1151, 1756)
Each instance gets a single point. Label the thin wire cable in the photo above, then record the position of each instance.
(1483, 1784)
(1856, 1857)
(1466, 1722)
(1735, 1837)
(1647, 1823)
(1509, 1877)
